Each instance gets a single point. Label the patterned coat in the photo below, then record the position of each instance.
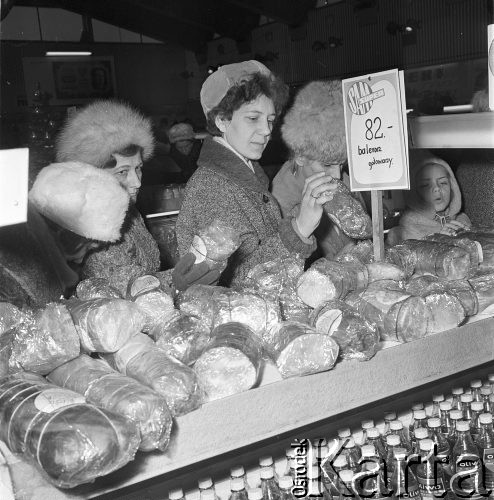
(224, 188)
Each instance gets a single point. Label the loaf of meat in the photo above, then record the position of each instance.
(44, 340)
(446, 311)
(299, 349)
(483, 286)
(214, 244)
(356, 336)
(484, 237)
(10, 316)
(157, 308)
(230, 363)
(183, 337)
(108, 389)
(361, 253)
(72, 442)
(105, 325)
(430, 257)
(142, 360)
(348, 213)
(96, 288)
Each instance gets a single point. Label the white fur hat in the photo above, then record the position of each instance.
(314, 126)
(100, 129)
(84, 199)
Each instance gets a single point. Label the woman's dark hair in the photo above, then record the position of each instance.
(247, 91)
(129, 150)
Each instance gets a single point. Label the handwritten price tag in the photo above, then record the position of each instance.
(376, 131)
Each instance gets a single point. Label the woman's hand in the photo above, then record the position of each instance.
(318, 189)
(452, 227)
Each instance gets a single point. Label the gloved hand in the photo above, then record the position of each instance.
(187, 273)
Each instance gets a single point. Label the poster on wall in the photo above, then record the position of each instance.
(70, 80)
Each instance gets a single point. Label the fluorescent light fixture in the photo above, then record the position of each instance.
(71, 53)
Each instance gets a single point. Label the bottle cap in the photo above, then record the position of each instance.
(485, 390)
(368, 450)
(462, 425)
(205, 482)
(456, 414)
(314, 472)
(350, 443)
(491, 377)
(476, 384)
(255, 494)
(426, 444)
(290, 453)
(175, 494)
(419, 414)
(237, 471)
(367, 424)
(346, 475)
(485, 418)
(421, 433)
(267, 473)
(477, 405)
(457, 391)
(340, 461)
(266, 461)
(392, 440)
(285, 482)
(373, 432)
(390, 415)
(400, 453)
(437, 398)
(396, 425)
(207, 495)
(237, 484)
(345, 432)
(466, 398)
(434, 422)
(417, 406)
(445, 405)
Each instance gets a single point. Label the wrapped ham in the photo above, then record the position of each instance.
(105, 325)
(299, 349)
(183, 337)
(214, 244)
(230, 363)
(108, 389)
(10, 316)
(446, 311)
(44, 340)
(96, 288)
(327, 280)
(430, 257)
(348, 213)
(71, 441)
(142, 360)
(157, 307)
(361, 253)
(483, 287)
(356, 336)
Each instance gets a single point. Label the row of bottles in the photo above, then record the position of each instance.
(442, 453)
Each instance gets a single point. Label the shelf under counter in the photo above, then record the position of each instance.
(237, 422)
(461, 131)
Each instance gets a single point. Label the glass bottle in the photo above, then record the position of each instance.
(455, 402)
(443, 449)
(436, 400)
(477, 409)
(485, 392)
(238, 472)
(466, 401)
(485, 442)
(255, 494)
(331, 474)
(419, 420)
(403, 481)
(238, 491)
(392, 443)
(475, 385)
(352, 454)
(206, 484)
(420, 434)
(286, 483)
(267, 463)
(431, 480)
(176, 494)
(466, 459)
(343, 434)
(455, 416)
(490, 378)
(289, 454)
(396, 427)
(346, 489)
(366, 425)
(388, 418)
(269, 486)
(445, 408)
(374, 485)
(316, 488)
(374, 438)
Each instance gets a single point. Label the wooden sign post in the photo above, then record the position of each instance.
(377, 140)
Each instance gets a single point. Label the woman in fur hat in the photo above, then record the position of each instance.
(72, 208)
(241, 102)
(314, 130)
(116, 138)
(433, 201)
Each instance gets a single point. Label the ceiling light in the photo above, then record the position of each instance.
(68, 53)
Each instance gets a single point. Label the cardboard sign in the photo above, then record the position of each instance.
(14, 165)
(376, 131)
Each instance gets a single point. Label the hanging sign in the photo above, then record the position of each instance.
(376, 131)
(13, 186)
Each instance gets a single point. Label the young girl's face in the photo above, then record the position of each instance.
(434, 186)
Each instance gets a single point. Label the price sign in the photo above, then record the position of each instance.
(376, 131)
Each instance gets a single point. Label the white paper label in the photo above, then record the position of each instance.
(51, 400)
(13, 186)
